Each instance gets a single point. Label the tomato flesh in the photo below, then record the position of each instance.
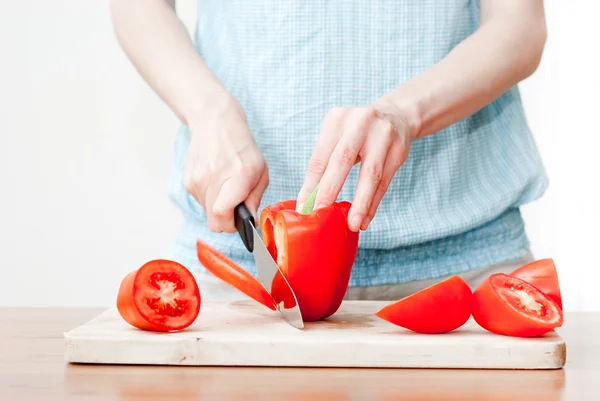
(543, 276)
(162, 295)
(440, 308)
(507, 305)
(523, 298)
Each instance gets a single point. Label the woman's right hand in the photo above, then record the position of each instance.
(224, 166)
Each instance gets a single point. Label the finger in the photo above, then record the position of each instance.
(375, 152)
(211, 194)
(230, 195)
(200, 182)
(192, 180)
(344, 156)
(235, 190)
(395, 158)
(328, 138)
(255, 197)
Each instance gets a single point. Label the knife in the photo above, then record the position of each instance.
(266, 267)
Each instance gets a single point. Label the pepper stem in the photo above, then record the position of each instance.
(309, 205)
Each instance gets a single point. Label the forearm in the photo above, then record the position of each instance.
(161, 50)
(505, 50)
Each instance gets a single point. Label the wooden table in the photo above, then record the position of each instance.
(32, 368)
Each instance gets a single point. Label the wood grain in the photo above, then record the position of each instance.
(243, 333)
(32, 367)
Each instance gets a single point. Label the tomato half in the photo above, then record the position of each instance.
(440, 308)
(225, 269)
(507, 305)
(162, 295)
(542, 275)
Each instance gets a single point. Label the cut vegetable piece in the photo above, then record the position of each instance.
(507, 305)
(225, 269)
(543, 276)
(440, 308)
(162, 295)
(314, 250)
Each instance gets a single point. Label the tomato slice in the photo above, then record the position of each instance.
(440, 308)
(507, 305)
(161, 295)
(542, 275)
(225, 269)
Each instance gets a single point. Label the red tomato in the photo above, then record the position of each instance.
(542, 275)
(162, 295)
(510, 306)
(440, 308)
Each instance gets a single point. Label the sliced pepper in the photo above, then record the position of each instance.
(315, 250)
(225, 269)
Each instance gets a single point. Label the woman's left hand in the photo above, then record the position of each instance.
(378, 136)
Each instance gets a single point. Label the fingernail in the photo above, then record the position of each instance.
(365, 224)
(355, 222)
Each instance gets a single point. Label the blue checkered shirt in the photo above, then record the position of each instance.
(452, 206)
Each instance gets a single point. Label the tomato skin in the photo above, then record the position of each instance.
(126, 305)
(135, 288)
(542, 275)
(496, 314)
(437, 309)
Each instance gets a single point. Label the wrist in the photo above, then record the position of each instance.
(216, 104)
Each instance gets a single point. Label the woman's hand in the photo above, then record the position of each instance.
(471, 76)
(224, 166)
(377, 136)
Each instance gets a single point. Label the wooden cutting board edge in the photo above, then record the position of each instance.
(134, 347)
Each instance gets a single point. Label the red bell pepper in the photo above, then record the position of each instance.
(225, 269)
(315, 250)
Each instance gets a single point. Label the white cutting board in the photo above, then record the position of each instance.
(244, 333)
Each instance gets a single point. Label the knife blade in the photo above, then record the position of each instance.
(269, 274)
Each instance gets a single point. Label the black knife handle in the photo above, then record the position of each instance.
(243, 219)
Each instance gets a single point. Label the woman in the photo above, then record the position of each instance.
(409, 109)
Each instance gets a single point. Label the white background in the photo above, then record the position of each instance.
(85, 152)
